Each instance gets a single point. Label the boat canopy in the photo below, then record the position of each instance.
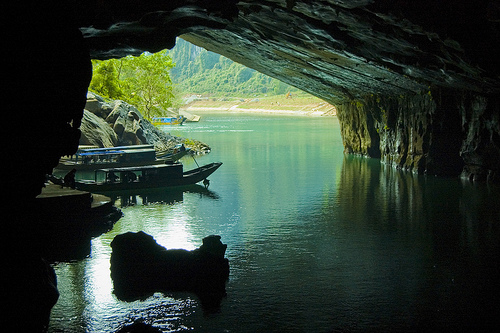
(94, 153)
(140, 168)
(134, 147)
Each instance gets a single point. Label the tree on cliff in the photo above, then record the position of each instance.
(143, 81)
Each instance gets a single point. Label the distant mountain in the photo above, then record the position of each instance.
(198, 71)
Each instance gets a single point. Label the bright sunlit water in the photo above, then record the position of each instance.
(317, 241)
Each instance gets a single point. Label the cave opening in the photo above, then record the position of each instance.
(437, 87)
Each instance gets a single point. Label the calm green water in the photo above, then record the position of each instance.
(317, 241)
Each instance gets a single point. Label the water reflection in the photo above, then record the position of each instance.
(167, 196)
(317, 241)
(428, 245)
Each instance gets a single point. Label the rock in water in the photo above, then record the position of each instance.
(140, 267)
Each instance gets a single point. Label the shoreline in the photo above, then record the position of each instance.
(236, 109)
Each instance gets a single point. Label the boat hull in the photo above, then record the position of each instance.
(187, 178)
(69, 165)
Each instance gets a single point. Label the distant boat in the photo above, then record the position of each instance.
(143, 177)
(168, 120)
(89, 159)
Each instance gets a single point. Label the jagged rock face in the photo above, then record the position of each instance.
(404, 131)
(337, 49)
(116, 123)
(441, 132)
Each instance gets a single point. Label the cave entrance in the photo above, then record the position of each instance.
(196, 77)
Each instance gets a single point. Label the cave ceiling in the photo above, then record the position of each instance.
(338, 50)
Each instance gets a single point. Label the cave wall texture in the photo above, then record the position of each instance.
(416, 83)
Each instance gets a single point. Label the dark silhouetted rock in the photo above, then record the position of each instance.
(140, 267)
(29, 293)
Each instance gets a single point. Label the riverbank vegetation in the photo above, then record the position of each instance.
(188, 76)
(198, 71)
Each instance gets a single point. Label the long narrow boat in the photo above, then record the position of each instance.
(123, 156)
(143, 177)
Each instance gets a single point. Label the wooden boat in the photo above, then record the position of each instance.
(168, 120)
(143, 177)
(114, 157)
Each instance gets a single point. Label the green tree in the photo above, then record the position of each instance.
(105, 79)
(150, 84)
(143, 81)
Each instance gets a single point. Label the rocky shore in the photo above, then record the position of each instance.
(110, 123)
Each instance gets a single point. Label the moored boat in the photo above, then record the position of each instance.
(89, 159)
(143, 177)
(168, 120)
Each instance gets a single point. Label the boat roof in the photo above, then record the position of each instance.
(114, 152)
(134, 147)
(140, 168)
(110, 152)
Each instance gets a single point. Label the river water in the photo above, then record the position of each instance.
(317, 241)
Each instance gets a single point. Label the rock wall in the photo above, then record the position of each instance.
(480, 147)
(438, 132)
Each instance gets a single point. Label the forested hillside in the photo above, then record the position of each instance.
(199, 71)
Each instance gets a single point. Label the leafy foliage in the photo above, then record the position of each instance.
(199, 71)
(143, 81)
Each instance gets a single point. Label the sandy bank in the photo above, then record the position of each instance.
(311, 112)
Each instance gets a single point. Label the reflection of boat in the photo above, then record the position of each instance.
(159, 195)
(142, 177)
(168, 120)
(123, 156)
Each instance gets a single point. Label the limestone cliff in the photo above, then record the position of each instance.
(439, 132)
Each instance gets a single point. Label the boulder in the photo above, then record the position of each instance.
(95, 131)
(115, 113)
(97, 105)
(140, 267)
(132, 127)
(126, 122)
